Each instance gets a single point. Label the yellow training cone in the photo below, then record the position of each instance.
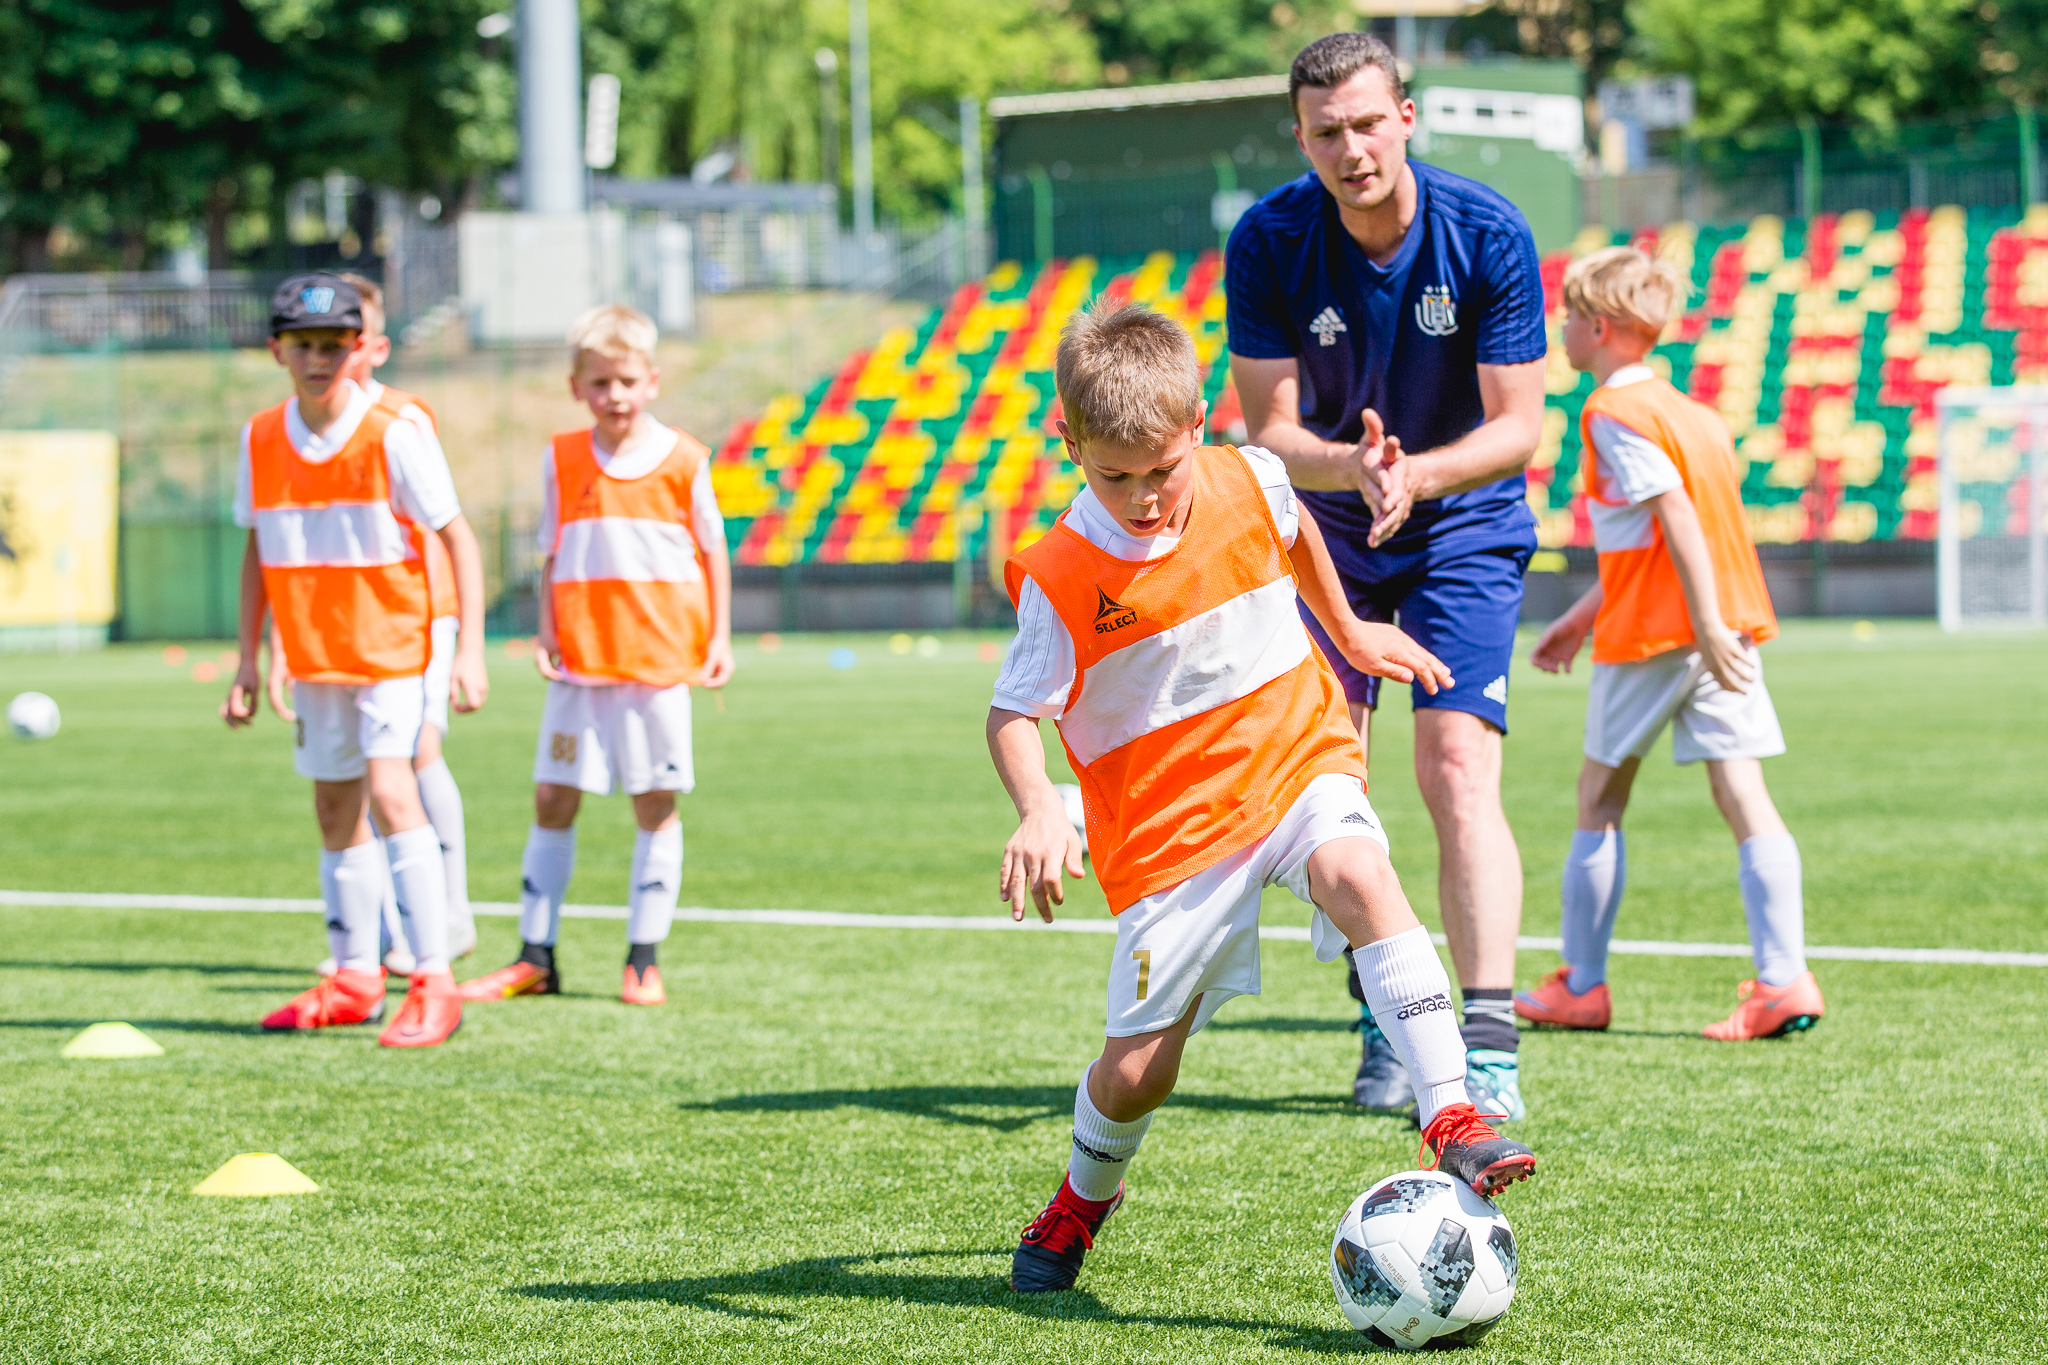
(255, 1173)
(112, 1040)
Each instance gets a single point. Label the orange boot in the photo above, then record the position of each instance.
(642, 986)
(1771, 1011)
(347, 997)
(430, 1015)
(521, 978)
(1552, 1002)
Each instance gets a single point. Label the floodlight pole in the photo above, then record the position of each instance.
(973, 198)
(550, 113)
(2030, 153)
(828, 117)
(863, 129)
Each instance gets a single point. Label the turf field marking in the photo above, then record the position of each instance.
(839, 919)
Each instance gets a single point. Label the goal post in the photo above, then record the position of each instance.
(1992, 462)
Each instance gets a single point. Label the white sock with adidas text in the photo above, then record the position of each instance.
(657, 882)
(1410, 997)
(1103, 1148)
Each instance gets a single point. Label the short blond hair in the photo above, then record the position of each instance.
(1127, 376)
(1623, 284)
(373, 302)
(612, 330)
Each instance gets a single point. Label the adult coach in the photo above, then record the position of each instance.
(1379, 307)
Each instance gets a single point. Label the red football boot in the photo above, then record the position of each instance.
(1551, 1002)
(430, 1015)
(521, 978)
(1464, 1145)
(1771, 1011)
(1049, 1257)
(347, 997)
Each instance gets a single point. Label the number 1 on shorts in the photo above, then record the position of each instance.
(1144, 960)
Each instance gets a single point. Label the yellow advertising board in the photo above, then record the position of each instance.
(59, 510)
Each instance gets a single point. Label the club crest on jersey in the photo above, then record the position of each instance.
(1111, 614)
(318, 299)
(1327, 325)
(1436, 313)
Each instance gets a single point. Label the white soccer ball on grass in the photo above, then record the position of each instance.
(31, 715)
(1420, 1259)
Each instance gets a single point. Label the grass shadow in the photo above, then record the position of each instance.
(206, 968)
(1284, 1024)
(1004, 1108)
(901, 1277)
(146, 1025)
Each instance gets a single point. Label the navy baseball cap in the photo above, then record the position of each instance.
(304, 302)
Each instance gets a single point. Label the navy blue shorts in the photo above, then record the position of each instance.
(1461, 607)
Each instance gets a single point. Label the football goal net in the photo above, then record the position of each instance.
(1992, 456)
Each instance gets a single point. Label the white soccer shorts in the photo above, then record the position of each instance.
(1201, 937)
(440, 668)
(1631, 704)
(617, 737)
(341, 725)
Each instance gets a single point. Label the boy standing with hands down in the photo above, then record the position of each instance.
(1676, 618)
(635, 607)
(338, 495)
(1157, 626)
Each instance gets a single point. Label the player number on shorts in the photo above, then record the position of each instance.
(1143, 957)
(562, 748)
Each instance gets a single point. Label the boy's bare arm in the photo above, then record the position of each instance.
(1720, 648)
(469, 683)
(547, 645)
(1381, 650)
(1044, 841)
(1562, 639)
(240, 707)
(718, 659)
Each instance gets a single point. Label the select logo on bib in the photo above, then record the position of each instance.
(1111, 614)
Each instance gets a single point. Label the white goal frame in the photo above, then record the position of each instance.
(1964, 598)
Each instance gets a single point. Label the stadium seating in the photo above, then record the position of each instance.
(1821, 342)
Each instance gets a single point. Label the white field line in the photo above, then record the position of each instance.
(836, 919)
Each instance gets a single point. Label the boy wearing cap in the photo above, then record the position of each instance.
(338, 495)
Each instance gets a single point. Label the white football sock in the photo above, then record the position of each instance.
(1773, 901)
(1410, 998)
(443, 802)
(392, 932)
(1595, 872)
(1103, 1148)
(657, 881)
(422, 886)
(352, 884)
(544, 872)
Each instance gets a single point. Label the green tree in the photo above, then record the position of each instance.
(1145, 41)
(1873, 62)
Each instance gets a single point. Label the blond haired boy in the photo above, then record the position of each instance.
(1157, 627)
(338, 496)
(635, 607)
(1675, 618)
(439, 794)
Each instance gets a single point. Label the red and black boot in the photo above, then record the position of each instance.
(1049, 1257)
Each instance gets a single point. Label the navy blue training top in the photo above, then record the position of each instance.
(1403, 340)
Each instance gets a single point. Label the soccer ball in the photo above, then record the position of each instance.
(1077, 815)
(1420, 1259)
(32, 716)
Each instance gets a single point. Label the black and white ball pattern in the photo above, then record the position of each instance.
(1420, 1258)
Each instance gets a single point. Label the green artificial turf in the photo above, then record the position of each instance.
(822, 1149)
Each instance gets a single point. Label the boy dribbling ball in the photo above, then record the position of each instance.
(338, 496)
(635, 607)
(439, 795)
(1157, 627)
(1675, 618)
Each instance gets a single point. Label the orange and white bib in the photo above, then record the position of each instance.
(628, 591)
(343, 570)
(1200, 708)
(440, 569)
(1642, 611)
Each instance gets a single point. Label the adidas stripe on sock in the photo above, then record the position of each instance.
(1410, 997)
(352, 885)
(544, 872)
(657, 882)
(1103, 1148)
